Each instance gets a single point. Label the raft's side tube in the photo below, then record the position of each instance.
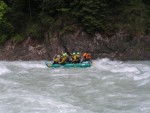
(67, 65)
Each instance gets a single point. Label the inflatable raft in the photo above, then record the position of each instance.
(67, 65)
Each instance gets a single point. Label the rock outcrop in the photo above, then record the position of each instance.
(119, 46)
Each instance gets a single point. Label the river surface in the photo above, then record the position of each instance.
(106, 87)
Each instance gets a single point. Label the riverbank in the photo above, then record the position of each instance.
(119, 46)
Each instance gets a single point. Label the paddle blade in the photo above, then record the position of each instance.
(48, 64)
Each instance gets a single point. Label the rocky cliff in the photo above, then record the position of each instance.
(119, 46)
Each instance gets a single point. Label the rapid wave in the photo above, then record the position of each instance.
(106, 87)
(4, 70)
(136, 71)
(120, 66)
(29, 65)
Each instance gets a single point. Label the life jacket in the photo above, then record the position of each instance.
(78, 56)
(84, 55)
(56, 60)
(87, 56)
(64, 59)
(74, 58)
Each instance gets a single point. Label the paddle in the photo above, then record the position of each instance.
(48, 65)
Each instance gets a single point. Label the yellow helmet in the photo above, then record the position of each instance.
(65, 54)
(58, 56)
(78, 53)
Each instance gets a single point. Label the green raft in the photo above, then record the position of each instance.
(68, 65)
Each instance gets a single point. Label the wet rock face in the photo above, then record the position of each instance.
(120, 46)
(28, 50)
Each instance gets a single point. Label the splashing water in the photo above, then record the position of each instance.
(106, 87)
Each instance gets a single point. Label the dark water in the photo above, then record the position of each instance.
(106, 87)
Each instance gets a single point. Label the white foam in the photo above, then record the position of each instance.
(23, 72)
(141, 77)
(116, 66)
(126, 70)
(143, 83)
(4, 70)
(106, 64)
(2, 81)
(33, 66)
(28, 65)
(40, 103)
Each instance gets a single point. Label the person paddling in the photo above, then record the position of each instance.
(56, 59)
(78, 55)
(64, 59)
(75, 57)
(86, 57)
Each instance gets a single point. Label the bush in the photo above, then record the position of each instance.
(3, 38)
(17, 38)
(34, 31)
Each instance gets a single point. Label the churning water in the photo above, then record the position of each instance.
(106, 87)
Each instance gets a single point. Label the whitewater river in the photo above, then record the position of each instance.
(106, 87)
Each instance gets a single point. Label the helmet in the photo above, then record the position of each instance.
(58, 56)
(78, 53)
(74, 53)
(64, 54)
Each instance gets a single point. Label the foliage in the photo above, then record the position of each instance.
(17, 38)
(3, 8)
(35, 17)
(3, 38)
(6, 28)
(34, 30)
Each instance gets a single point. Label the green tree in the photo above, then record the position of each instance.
(6, 28)
(3, 9)
(35, 17)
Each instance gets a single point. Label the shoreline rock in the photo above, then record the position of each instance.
(120, 46)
